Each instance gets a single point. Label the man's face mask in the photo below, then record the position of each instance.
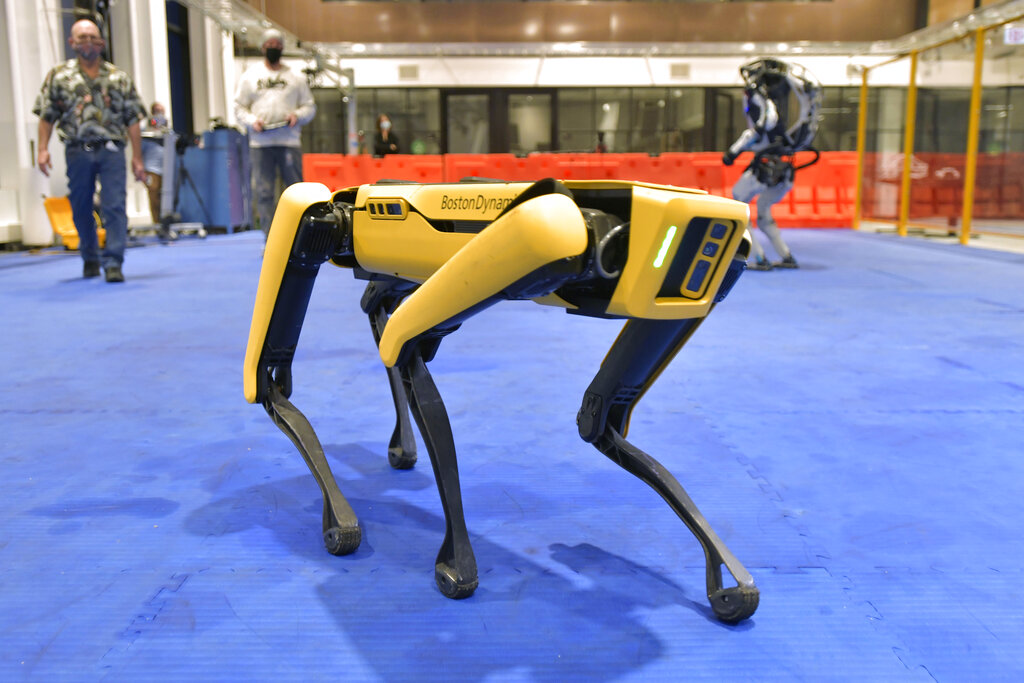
(88, 48)
(274, 54)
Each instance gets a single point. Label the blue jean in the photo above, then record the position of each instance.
(109, 167)
(267, 162)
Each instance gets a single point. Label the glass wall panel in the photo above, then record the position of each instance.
(577, 120)
(728, 118)
(612, 117)
(648, 110)
(684, 121)
(423, 123)
(944, 77)
(390, 101)
(837, 129)
(529, 121)
(652, 120)
(999, 188)
(327, 132)
(468, 124)
(883, 144)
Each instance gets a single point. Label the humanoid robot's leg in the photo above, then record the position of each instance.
(746, 188)
(380, 297)
(455, 567)
(340, 526)
(642, 350)
(760, 261)
(766, 222)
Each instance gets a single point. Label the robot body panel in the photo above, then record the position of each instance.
(660, 224)
(532, 235)
(409, 250)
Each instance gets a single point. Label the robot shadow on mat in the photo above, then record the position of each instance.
(571, 590)
(434, 255)
(560, 591)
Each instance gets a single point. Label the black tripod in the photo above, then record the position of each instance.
(170, 215)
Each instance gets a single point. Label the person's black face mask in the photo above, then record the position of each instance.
(273, 55)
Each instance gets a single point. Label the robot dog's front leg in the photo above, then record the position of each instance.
(307, 230)
(524, 250)
(642, 350)
(455, 571)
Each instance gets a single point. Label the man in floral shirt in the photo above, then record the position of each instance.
(94, 107)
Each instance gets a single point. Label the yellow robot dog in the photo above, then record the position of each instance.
(435, 254)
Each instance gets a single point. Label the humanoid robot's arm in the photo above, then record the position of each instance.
(599, 248)
(762, 117)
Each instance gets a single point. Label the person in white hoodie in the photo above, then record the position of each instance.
(273, 102)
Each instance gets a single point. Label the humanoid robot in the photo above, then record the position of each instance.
(774, 142)
(433, 255)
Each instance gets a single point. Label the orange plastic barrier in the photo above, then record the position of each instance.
(822, 196)
(936, 190)
(338, 170)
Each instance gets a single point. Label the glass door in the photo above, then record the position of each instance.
(467, 123)
(498, 120)
(529, 122)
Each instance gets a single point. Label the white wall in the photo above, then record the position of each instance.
(211, 53)
(139, 30)
(32, 44)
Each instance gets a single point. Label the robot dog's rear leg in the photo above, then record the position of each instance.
(340, 526)
(402, 447)
(642, 350)
(455, 568)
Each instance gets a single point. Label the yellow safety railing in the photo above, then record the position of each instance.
(876, 167)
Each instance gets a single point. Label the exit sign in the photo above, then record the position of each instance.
(1013, 35)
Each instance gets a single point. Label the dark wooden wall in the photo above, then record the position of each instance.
(627, 22)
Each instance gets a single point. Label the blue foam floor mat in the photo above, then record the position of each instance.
(851, 429)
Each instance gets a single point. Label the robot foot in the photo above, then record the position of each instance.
(451, 584)
(400, 459)
(788, 262)
(762, 264)
(342, 540)
(733, 605)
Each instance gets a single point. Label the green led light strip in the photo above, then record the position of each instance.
(660, 258)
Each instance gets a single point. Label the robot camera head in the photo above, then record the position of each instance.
(766, 72)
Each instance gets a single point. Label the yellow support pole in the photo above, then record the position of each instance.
(908, 147)
(862, 128)
(973, 126)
